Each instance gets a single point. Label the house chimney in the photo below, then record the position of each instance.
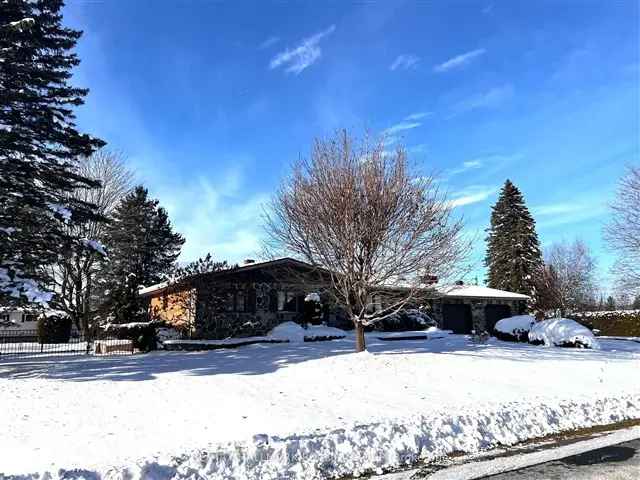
(249, 261)
(429, 279)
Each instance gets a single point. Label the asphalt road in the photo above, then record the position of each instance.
(617, 462)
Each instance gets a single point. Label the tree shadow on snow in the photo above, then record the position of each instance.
(262, 359)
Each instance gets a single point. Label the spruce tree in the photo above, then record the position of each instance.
(39, 146)
(142, 249)
(513, 256)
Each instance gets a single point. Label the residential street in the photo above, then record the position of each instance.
(616, 462)
(614, 456)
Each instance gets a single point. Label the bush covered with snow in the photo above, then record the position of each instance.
(562, 332)
(312, 311)
(316, 333)
(142, 334)
(288, 331)
(405, 320)
(54, 326)
(514, 329)
(294, 333)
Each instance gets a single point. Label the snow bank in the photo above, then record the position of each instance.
(514, 328)
(294, 333)
(290, 331)
(562, 332)
(314, 332)
(386, 445)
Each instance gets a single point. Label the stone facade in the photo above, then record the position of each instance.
(477, 307)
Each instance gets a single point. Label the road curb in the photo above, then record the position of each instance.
(476, 469)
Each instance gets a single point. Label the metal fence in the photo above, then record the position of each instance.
(27, 343)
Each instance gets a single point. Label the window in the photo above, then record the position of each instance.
(28, 317)
(228, 302)
(4, 318)
(240, 301)
(287, 301)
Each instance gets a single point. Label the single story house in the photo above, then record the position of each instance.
(18, 318)
(256, 296)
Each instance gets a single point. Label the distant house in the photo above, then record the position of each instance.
(18, 318)
(258, 295)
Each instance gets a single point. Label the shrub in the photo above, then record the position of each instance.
(620, 323)
(54, 327)
(142, 334)
(405, 320)
(514, 329)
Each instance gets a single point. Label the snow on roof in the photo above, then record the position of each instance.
(477, 291)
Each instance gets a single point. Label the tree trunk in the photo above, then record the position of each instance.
(360, 344)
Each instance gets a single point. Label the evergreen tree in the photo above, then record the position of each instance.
(39, 146)
(611, 303)
(513, 256)
(142, 250)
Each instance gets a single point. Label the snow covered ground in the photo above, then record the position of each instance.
(301, 410)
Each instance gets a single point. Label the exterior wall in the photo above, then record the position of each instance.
(477, 308)
(175, 308)
(16, 318)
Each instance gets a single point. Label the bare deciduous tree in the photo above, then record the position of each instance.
(75, 274)
(359, 214)
(567, 281)
(623, 232)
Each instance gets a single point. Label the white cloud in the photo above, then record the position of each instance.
(303, 56)
(418, 116)
(217, 217)
(269, 42)
(404, 62)
(490, 99)
(472, 194)
(401, 127)
(469, 165)
(562, 213)
(459, 60)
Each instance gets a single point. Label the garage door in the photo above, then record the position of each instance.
(493, 313)
(457, 317)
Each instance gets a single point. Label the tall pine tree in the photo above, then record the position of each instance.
(513, 256)
(39, 146)
(142, 249)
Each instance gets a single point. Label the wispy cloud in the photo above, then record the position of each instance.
(215, 217)
(404, 62)
(472, 194)
(418, 116)
(562, 213)
(408, 123)
(402, 126)
(269, 42)
(459, 61)
(303, 56)
(490, 99)
(469, 165)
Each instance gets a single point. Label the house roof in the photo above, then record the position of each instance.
(453, 291)
(477, 291)
(158, 287)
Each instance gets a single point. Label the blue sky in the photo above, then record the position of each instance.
(212, 101)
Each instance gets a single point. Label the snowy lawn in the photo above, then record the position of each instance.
(302, 410)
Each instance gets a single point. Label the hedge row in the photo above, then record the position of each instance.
(614, 324)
